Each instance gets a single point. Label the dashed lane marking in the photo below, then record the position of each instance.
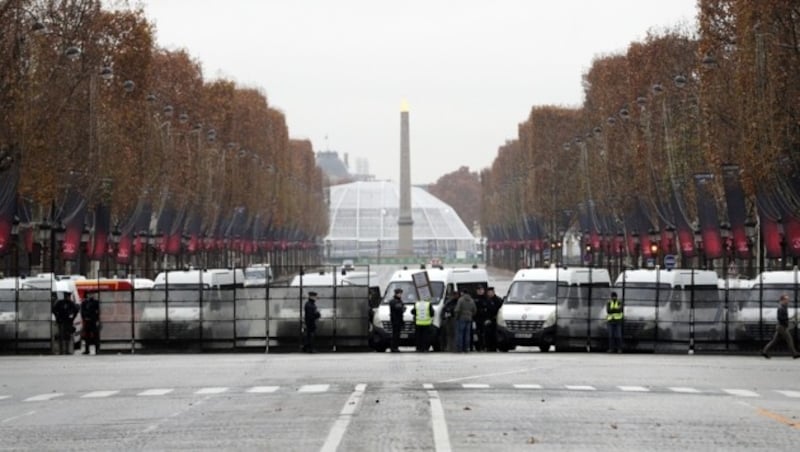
(340, 426)
(528, 386)
(3, 397)
(475, 386)
(44, 397)
(206, 391)
(793, 394)
(154, 392)
(684, 390)
(741, 392)
(313, 388)
(98, 394)
(580, 388)
(263, 389)
(427, 386)
(13, 418)
(633, 388)
(441, 438)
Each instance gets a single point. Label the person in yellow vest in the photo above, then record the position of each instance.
(423, 321)
(614, 315)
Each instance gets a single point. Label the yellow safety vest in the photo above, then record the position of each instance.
(614, 305)
(423, 316)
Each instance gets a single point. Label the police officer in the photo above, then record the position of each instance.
(481, 317)
(423, 319)
(65, 310)
(449, 321)
(490, 330)
(614, 315)
(396, 310)
(90, 326)
(311, 315)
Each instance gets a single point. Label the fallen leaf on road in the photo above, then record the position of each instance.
(531, 440)
(614, 426)
(466, 408)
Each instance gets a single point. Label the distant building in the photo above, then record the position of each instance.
(334, 168)
(363, 218)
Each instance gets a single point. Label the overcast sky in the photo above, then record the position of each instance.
(470, 70)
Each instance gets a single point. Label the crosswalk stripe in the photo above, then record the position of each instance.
(580, 387)
(3, 397)
(98, 394)
(684, 390)
(313, 388)
(528, 386)
(427, 386)
(43, 397)
(217, 390)
(633, 388)
(155, 392)
(741, 392)
(475, 386)
(263, 389)
(787, 393)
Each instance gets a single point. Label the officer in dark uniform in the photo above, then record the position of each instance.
(396, 310)
(90, 326)
(490, 330)
(449, 322)
(65, 310)
(481, 316)
(311, 315)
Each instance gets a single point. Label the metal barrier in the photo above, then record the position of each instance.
(205, 319)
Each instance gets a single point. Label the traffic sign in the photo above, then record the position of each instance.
(546, 253)
(669, 261)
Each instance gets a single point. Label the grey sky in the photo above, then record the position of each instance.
(470, 70)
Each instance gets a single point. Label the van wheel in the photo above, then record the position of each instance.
(545, 344)
(381, 349)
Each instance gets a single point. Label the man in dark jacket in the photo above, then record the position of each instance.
(490, 329)
(311, 315)
(481, 316)
(90, 326)
(782, 329)
(396, 310)
(449, 321)
(65, 310)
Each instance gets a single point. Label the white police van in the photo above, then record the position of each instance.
(443, 281)
(659, 303)
(550, 306)
(755, 318)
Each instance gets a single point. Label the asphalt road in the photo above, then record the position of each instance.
(406, 401)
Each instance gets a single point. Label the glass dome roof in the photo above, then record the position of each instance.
(364, 216)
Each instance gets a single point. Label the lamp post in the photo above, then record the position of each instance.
(655, 249)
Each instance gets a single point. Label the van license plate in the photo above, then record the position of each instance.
(523, 335)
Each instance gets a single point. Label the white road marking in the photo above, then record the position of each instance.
(441, 439)
(741, 392)
(217, 390)
(580, 387)
(472, 377)
(155, 392)
(684, 390)
(44, 397)
(340, 426)
(263, 389)
(12, 418)
(98, 394)
(633, 388)
(3, 397)
(475, 386)
(427, 386)
(793, 394)
(528, 386)
(313, 388)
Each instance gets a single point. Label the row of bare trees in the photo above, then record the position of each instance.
(680, 104)
(90, 105)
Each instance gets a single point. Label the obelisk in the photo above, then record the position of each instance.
(405, 221)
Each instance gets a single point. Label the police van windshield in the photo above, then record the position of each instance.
(770, 294)
(410, 293)
(643, 294)
(255, 273)
(536, 292)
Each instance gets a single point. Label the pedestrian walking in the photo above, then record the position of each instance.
(65, 311)
(782, 329)
(614, 318)
(465, 313)
(311, 314)
(396, 311)
(90, 323)
(423, 319)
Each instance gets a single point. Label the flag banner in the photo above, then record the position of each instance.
(737, 212)
(683, 229)
(74, 222)
(102, 224)
(708, 216)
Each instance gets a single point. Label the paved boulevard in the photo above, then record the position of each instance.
(372, 402)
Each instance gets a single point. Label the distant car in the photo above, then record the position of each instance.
(259, 275)
(347, 264)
